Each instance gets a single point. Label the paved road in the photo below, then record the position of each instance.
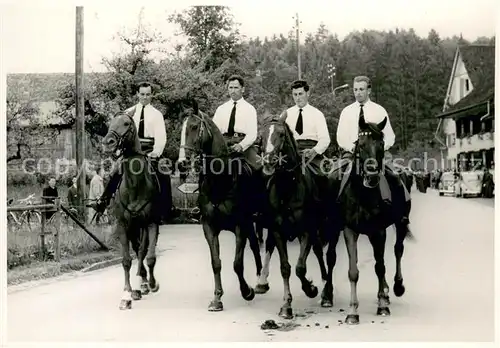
(448, 275)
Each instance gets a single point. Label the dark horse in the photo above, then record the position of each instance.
(292, 211)
(135, 205)
(224, 184)
(363, 212)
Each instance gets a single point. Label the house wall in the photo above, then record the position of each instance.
(459, 87)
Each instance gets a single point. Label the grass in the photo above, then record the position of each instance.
(47, 269)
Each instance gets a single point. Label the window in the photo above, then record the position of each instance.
(467, 85)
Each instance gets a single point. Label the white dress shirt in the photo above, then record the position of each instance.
(314, 126)
(154, 126)
(245, 120)
(347, 129)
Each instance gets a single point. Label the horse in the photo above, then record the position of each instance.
(290, 212)
(136, 205)
(363, 212)
(224, 184)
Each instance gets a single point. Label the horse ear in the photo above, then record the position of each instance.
(283, 116)
(130, 112)
(382, 124)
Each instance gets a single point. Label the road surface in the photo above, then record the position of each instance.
(448, 273)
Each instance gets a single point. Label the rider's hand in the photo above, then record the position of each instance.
(101, 205)
(237, 148)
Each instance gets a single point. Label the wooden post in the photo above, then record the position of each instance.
(57, 243)
(79, 103)
(298, 45)
(42, 235)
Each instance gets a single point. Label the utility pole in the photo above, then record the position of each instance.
(79, 104)
(331, 73)
(297, 22)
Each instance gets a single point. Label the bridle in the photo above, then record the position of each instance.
(198, 145)
(121, 138)
(367, 177)
(275, 160)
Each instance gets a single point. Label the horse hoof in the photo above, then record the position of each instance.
(399, 288)
(286, 313)
(250, 296)
(144, 289)
(125, 304)
(136, 295)
(326, 303)
(215, 306)
(311, 292)
(155, 288)
(352, 319)
(383, 311)
(261, 288)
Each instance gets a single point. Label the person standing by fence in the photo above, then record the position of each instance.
(48, 192)
(73, 200)
(96, 190)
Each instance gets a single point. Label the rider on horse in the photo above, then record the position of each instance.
(347, 135)
(151, 130)
(309, 128)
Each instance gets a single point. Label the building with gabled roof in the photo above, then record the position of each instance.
(469, 108)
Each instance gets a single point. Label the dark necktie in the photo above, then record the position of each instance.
(232, 120)
(141, 124)
(361, 112)
(300, 123)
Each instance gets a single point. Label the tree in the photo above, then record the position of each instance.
(211, 32)
(25, 129)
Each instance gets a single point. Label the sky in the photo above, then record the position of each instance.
(39, 37)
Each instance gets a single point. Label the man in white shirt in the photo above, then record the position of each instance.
(237, 121)
(150, 126)
(310, 131)
(347, 132)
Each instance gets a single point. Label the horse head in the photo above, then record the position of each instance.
(370, 151)
(121, 138)
(200, 136)
(280, 151)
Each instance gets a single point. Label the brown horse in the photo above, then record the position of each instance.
(224, 188)
(291, 212)
(135, 207)
(364, 212)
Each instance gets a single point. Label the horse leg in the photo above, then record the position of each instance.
(401, 233)
(255, 247)
(153, 232)
(377, 241)
(309, 289)
(126, 301)
(331, 259)
(141, 275)
(351, 241)
(242, 232)
(259, 231)
(286, 311)
(262, 283)
(212, 237)
(318, 251)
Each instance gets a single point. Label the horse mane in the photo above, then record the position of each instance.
(218, 144)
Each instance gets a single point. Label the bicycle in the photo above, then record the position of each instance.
(26, 216)
(99, 218)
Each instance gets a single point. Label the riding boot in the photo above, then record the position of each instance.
(398, 195)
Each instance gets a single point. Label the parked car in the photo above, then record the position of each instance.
(447, 184)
